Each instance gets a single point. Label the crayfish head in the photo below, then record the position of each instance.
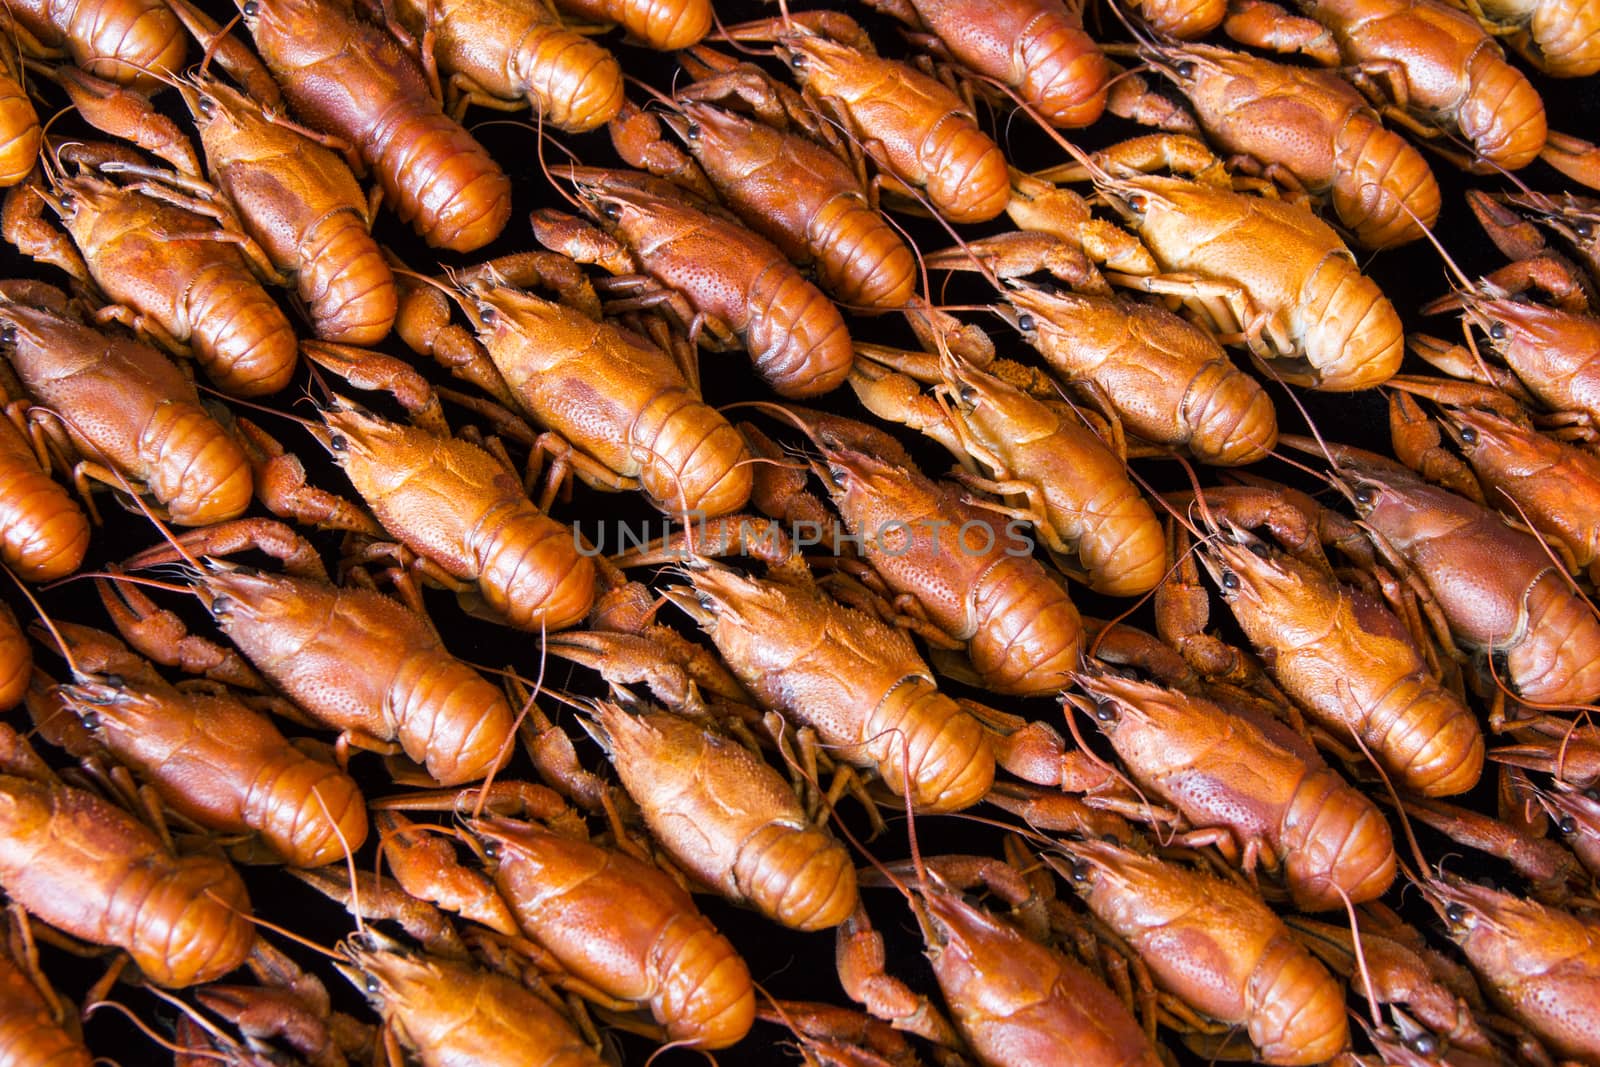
(379, 966)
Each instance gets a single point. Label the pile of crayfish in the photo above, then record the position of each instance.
(934, 532)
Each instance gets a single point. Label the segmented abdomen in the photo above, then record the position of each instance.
(308, 811)
(966, 176)
(1063, 72)
(1229, 417)
(1557, 660)
(575, 83)
(1334, 840)
(860, 258)
(438, 177)
(192, 465)
(1383, 189)
(122, 40)
(927, 747)
(345, 281)
(694, 460)
(43, 532)
(20, 135)
(240, 336)
(1353, 337)
(1029, 637)
(529, 567)
(795, 335)
(447, 717)
(1502, 113)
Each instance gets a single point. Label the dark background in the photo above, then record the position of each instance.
(787, 964)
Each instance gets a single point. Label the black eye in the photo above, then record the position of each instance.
(693, 132)
(1469, 435)
(797, 61)
(1567, 825)
(487, 314)
(611, 211)
(338, 443)
(1423, 1044)
(1025, 323)
(1497, 330)
(8, 334)
(1455, 914)
(208, 106)
(221, 604)
(1584, 230)
(1185, 69)
(1365, 496)
(90, 720)
(372, 983)
(1105, 711)
(838, 476)
(251, 9)
(1230, 580)
(969, 395)
(491, 851)
(69, 203)
(1080, 871)
(705, 602)
(1259, 549)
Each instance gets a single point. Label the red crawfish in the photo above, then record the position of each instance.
(176, 270)
(1038, 48)
(91, 870)
(295, 197)
(1341, 654)
(857, 682)
(1528, 476)
(1255, 781)
(620, 412)
(352, 80)
(1539, 963)
(451, 502)
(735, 283)
(1022, 632)
(504, 54)
(1165, 379)
(1044, 458)
(209, 756)
(1550, 348)
(1014, 1001)
(133, 415)
(1501, 593)
(1306, 126)
(1309, 310)
(1435, 67)
(777, 172)
(303, 634)
(449, 1013)
(302, 205)
(726, 817)
(1217, 947)
(624, 927)
(913, 127)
